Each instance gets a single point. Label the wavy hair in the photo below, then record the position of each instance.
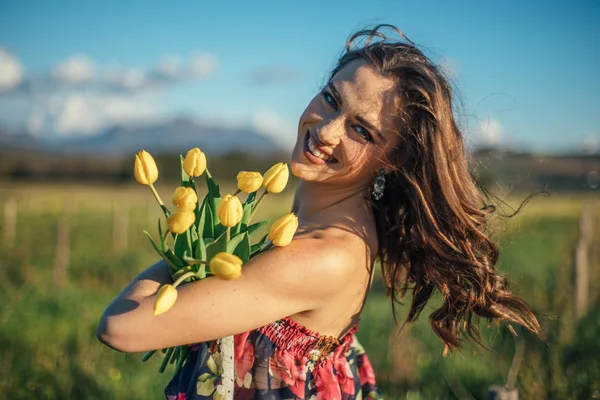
(433, 219)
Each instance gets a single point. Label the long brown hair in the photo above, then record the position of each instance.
(433, 219)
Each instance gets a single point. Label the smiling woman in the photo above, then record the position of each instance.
(383, 174)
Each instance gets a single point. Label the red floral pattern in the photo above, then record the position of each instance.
(282, 360)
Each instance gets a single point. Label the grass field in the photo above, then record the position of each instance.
(47, 332)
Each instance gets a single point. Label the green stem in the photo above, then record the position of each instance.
(182, 356)
(165, 360)
(183, 278)
(237, 192)
(147, 355)
(194, 261)
(256, 206)
(228, 234)
(176, 354)
(160, 202)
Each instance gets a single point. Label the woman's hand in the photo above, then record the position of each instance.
(278, 283)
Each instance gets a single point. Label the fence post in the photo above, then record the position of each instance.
(120, 227)
(582, 249)
(10, 222)
(63, 251)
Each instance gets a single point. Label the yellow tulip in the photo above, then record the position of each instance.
(230, 211)
(249, 182)
(145, 170)
(276, 178)
(282, 231)
(181, 221)
(185, 198)
(165, 298)
(226, 266)
(194, 162)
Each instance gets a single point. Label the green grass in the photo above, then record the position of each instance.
(47, 334)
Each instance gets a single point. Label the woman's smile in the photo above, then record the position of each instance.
(316, 154)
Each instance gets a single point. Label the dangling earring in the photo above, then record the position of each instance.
(379, 184)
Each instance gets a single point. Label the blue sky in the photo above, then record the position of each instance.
(527, 73)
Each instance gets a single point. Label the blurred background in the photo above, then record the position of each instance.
(85, 85)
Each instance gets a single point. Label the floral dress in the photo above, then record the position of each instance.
(280, 361)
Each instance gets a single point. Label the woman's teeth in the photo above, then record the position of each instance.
(315, 152)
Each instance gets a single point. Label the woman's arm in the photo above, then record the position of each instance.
(143, 286)
(278, 283)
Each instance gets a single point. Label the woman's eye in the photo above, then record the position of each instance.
(329, 99)
(363, 133)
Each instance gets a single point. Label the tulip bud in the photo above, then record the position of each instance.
(165, 298)
(185, 198)
(282, 231)
(249, 182)
(230, 211)
(226, 266)
(276, 178)
(145, 170)
(194, 162)
(181, 221)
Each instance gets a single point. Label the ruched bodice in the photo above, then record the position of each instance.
(282, 360)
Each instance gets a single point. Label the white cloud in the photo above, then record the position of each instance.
(87, 114)
(269, 123)
(127, 109)
(78, 96)
(76, 69)
(11, 70)
(77, 115)
(170, 66)
(490, 131)
(133, 78)
(203, 64)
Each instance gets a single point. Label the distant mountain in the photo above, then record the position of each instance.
(174, 136)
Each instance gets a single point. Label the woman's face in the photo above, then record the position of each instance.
(347, 129)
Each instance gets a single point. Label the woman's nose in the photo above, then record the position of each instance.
(331, 131)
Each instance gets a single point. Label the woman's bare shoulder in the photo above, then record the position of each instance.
(335, 248)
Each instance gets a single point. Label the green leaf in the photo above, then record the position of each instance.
(219, 229)
(256, 226)
(215, 247)
(241, 227)
(209, 226)
(242, 250)
(255, 248)
(153, 243)
(251, 198)
(174, 259)
(185, 178)
(161, 253)
(183, 243)
(161, 237)
(200, 249)
(234, 241)
(213, 188)
(201, 216)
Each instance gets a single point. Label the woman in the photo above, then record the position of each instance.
(383, 174)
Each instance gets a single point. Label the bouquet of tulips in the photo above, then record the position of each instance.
(214, 237)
